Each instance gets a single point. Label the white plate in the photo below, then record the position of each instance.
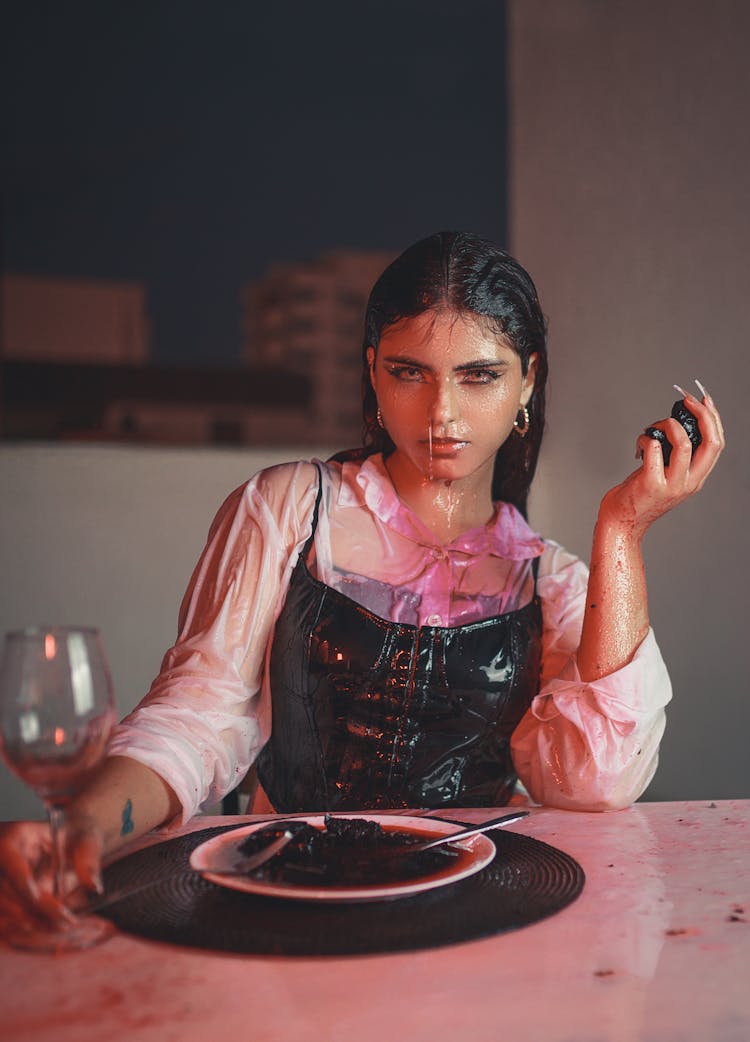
(479, 851)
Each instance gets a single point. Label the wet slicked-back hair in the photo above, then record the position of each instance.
(470, 276)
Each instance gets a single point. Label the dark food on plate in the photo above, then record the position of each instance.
(338, 854)
(680, 412)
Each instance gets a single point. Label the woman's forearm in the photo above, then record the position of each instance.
(124, 801)
(616, 616)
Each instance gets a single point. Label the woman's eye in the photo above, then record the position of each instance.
(407, 373)
(480, 376)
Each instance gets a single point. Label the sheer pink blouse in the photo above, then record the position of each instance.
(583, 746)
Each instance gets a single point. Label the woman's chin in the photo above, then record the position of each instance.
(447, 467)
(454, 463)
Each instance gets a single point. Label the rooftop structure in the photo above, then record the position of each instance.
(152, 404)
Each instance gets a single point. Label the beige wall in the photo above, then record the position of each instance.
(630, 170)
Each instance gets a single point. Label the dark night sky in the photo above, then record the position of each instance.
(190, 144)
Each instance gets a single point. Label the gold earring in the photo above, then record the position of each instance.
(524, 414)
(379, 418)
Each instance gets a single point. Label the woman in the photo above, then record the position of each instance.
(385, 629)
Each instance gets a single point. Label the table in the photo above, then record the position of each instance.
(656, 949)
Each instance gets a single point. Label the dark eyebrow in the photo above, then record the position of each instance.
(493, 363)
(412, 363)
(404, 360)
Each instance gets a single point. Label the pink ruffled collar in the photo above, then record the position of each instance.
(506, 534)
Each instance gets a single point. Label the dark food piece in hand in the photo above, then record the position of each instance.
(338, 854)
(680, 412)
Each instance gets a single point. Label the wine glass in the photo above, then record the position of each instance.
(56, 712)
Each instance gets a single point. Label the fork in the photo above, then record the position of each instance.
(438, 841)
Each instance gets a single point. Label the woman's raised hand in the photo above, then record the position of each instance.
(653, 489)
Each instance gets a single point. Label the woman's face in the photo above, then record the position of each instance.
(449, 391)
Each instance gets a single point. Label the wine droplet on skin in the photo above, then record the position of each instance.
(429, 442)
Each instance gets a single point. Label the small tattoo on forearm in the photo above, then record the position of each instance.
(127, 819)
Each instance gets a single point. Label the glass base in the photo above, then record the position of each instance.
(76, 934)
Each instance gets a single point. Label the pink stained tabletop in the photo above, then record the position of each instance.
(657, 947)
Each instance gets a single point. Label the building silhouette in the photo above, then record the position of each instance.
(75, 361)
(47, 319)
(74, 365)
(308, 319)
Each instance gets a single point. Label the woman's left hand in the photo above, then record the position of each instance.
(654, 489)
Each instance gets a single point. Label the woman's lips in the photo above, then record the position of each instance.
(445, 446)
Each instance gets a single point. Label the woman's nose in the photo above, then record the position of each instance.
(445, 408)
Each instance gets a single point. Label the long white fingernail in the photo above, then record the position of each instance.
(680, 390)
(701, 388)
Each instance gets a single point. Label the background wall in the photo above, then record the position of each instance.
(108, 537)
(629, 170)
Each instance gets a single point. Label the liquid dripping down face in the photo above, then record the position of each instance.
(448, 500)
(449, 391)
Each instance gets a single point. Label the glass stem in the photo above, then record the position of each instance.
(56, 822)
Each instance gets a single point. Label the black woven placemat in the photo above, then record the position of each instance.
(527, 881)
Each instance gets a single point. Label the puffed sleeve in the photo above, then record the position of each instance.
(207, 716)
(587, 746)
